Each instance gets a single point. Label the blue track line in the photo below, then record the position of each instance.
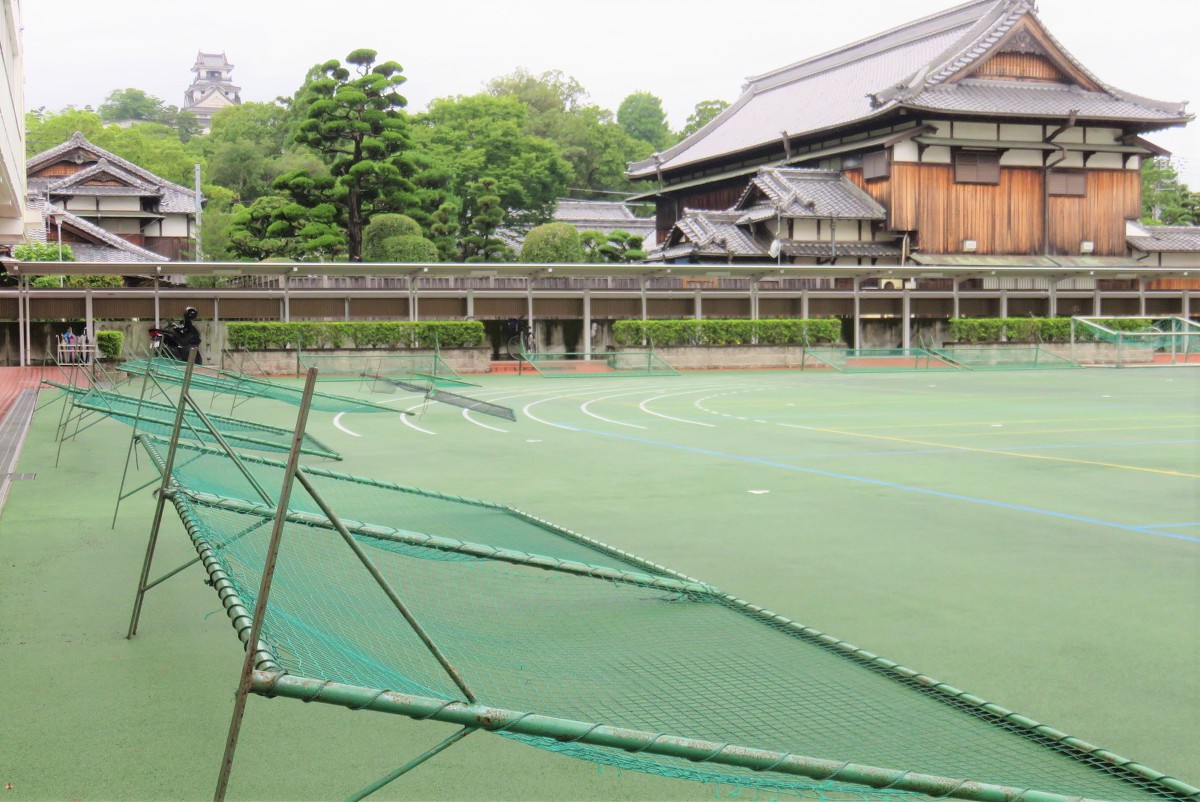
(881, 483)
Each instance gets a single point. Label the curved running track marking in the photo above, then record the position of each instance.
(337, 419)
(649, 411)
(584, 408)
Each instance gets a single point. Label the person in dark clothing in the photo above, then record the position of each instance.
(187, 336)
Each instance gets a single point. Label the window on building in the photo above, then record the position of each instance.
(876, 165)
(1067, 183)
(976, 167)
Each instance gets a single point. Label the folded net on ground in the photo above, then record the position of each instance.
(159, 418)
(240, 384)
(541, 620)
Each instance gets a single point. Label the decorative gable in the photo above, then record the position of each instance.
(1028, 53)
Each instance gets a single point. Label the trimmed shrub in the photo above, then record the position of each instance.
(385, 226)
(110, 343)
(1028, 329)
(363, 334)
(406, 249)
(667, 333)
(552, 243)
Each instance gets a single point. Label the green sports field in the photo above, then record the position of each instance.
(1030, 537)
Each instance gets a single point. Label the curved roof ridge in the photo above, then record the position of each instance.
(109, 238)
(921, 28)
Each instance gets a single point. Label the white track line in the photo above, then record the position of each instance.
(466, 413)
(584, 409)
(649, 411)
(337, 421)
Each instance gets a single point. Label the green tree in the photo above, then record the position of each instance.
(384, 227)
(592, 142)
(482, 136)
(1165, 199)
(484, 213)
(552, 243)
(355, 122)
(130, 104)
(215, 223)
(617, 247)
(641, 115)
(704, 113)
(44, 130)
(277, 227)
(133, 104)
(443, 230)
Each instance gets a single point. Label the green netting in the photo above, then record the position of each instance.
(537, 619)
(241, 385)
(159, 418)
(611, 364)
(875, 360)
(354, 367)
(1140, 340)
(1003, 357)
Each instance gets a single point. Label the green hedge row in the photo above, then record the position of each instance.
(383, 334)
(666, 333)
(1028, 329)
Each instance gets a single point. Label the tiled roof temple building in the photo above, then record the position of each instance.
(975, 132)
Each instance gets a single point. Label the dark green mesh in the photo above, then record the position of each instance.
(696, 664)
(240, 384)
(159, 418)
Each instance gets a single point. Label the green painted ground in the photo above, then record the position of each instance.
(1031, 537)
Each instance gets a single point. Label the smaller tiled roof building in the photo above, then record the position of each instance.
(107, 208)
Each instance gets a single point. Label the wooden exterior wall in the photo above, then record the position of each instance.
(1004, 218)
(1113, 196)
(879, 188)
(1008, 218)
(1019, 67)
(712, 196)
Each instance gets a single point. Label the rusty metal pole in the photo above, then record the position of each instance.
(264, 588)
(163, 489)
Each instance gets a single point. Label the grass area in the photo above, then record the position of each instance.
(1033, 538)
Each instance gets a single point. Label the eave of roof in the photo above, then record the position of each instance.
(860, 82)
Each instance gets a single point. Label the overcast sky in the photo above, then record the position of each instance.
(683, 51)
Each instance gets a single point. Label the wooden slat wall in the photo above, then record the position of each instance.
(559, 308)
(313, 309)
(830, 307)
(880, 189)
(615, 308)
(250, 309)
(660, 308)
(500, 308)
(1004, 218)
(8, 308)
(69, 308)
(726, 307)
(123, 308)
(1019, 66)
(442, 308)
(172, 308)
(775, 307)
(1113, 196)
(384, 308)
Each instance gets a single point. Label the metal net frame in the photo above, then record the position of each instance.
(570, 645)
(241, 386)
(1138, 340)
(1004, 357)
(875, 360)
(609, 364)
